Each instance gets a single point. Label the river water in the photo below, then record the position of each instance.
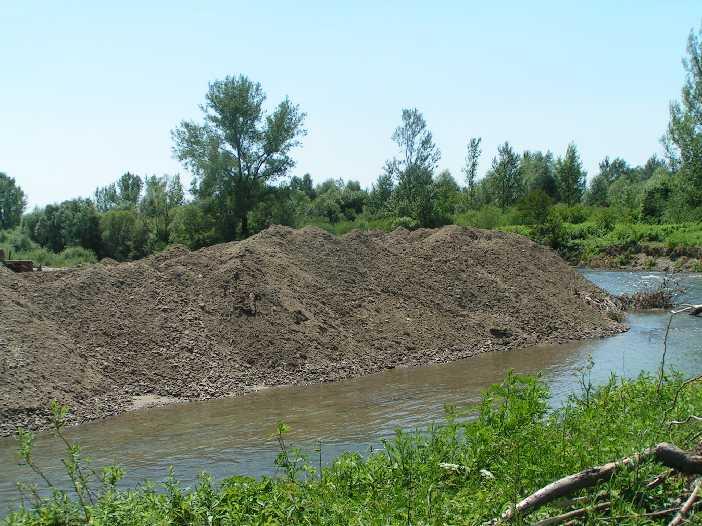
(233, 436)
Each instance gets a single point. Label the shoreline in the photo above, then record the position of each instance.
(121, 404)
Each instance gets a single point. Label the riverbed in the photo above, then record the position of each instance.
(233, 436)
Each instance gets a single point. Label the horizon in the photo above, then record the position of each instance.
(120, 79)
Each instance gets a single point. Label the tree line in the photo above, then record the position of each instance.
(240, 158)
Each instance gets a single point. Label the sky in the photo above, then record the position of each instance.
(90, 90)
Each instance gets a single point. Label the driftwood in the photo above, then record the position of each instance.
(667, 454)
(692, 310)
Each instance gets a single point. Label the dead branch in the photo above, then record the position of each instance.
(687, 420)
(560, 519)
(677, 395)
(659, 479)
(667, 454)
(689, 503)
(571, 483)
(650, 515)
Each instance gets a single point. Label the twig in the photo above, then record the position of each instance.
(681, 422)
(677, 395)
(650, 515)
(665, 351)
(689, 503)
(659, 479)
(559, 519)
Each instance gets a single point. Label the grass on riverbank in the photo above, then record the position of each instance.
(460, 472)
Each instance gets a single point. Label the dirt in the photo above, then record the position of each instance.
(282, 307)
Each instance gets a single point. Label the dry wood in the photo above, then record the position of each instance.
(667, 454)
(571, 483)
(674, 457)
(689, 503)
(659, 479)
(560, 519)
(687, 420)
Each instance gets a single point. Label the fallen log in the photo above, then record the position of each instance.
(667, 454)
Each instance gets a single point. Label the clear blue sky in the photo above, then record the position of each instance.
(90, 90)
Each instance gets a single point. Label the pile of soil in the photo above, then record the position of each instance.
(282, 307)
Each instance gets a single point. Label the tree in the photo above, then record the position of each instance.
(683, 140)
(12, 202)
(161, 196)
(446, 193)
(124, 234)
(124, 193)
(106, 198)
(129, 188)
(381, 194)
(72, 223)
(538, 172)
(505, 179)
(471, 167)
(414, 170)
(570, 176)
(303, 185)
(237, 150)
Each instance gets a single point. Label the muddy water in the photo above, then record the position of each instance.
(232, 436)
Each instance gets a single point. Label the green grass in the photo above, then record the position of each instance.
(17, 245)
(68, 257)
(464, 471)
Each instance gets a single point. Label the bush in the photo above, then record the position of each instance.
(405, 222)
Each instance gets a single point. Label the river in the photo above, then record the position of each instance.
(233, 436)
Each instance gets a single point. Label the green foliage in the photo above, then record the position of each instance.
(684, 136)
(193, 227)
(465, 471)
(415, 194)
(405, 222)
(534, 207)
(505, 181)
(125, 234)
(74, 222)
(570, 176)
(12, 202)
(470, 170)
(237, 151)
(538, 170)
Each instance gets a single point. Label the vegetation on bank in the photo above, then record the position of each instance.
(464, 471)
(240, 157)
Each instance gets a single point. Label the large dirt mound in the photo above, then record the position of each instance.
(285, 306)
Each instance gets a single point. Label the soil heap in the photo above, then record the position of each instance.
(282, 307)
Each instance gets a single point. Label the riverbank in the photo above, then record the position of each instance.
(283, 307)
(460, 472)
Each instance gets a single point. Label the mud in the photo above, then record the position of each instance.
(282, 307)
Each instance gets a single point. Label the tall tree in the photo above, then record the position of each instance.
(538, 171)
(570, 176)
(683, 140)
(414, 169)
(12, 202)
(129, 187)
(505, 178)
(161, 196)
(237, 150)
(471, 167)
